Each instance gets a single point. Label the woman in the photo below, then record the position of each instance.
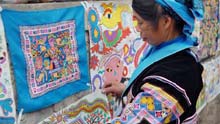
(165, 86)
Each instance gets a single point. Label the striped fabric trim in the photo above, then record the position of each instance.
(144, 114)
(165, 98)
(193, 55)
(165, 80)
(191, 120)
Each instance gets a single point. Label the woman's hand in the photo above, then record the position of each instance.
(114, 88)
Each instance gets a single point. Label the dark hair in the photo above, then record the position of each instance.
(151, 11)
(187, 3)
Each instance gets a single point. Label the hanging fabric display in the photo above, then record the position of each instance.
(209, 31)
(91, 109)
(48, 54)
(115, 45)
(7, 102)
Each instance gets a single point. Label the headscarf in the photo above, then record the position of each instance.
(186, 13)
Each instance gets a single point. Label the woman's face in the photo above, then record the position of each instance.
(148, 32)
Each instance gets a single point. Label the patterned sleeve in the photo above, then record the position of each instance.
(153, 106)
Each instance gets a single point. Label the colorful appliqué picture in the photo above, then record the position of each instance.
(209, 30)
(49, 56)
(7, 102)
(212, 82)
(91, 109)
(51, 53)
(115, 46)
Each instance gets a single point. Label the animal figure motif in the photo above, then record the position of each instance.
(87, 112)
(111, 22)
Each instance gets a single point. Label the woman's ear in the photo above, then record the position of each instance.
(167, 22)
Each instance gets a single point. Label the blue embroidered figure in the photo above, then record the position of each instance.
(6, 106)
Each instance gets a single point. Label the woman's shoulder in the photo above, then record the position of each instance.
(181, 68)
(181, 62)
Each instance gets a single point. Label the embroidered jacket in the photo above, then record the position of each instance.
(165, 92)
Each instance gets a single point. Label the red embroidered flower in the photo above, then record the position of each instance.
(94, 62)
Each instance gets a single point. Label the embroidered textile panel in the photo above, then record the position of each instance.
(115, 45)
(209, 30)
(212, 82)
(7, 102)
(91, 109)
(211, 87)
(48, 53)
